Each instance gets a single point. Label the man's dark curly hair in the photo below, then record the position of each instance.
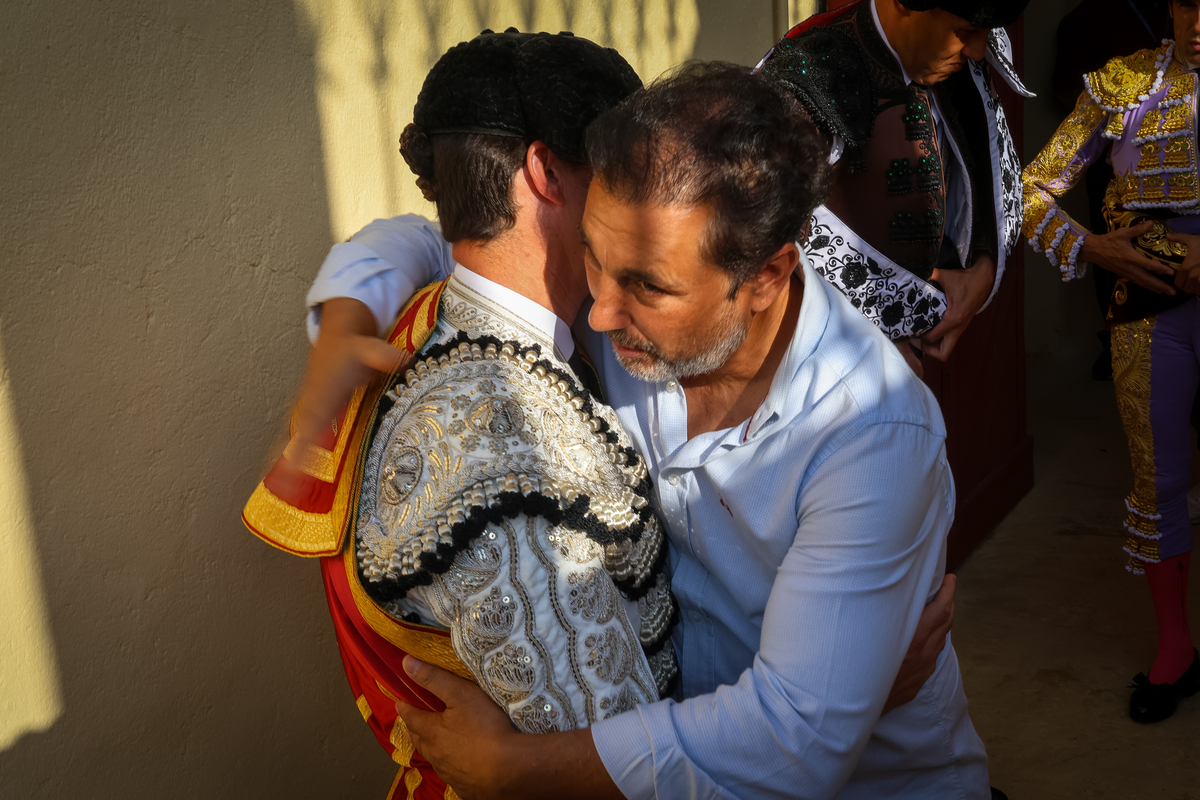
(486, 100)
(714, 134)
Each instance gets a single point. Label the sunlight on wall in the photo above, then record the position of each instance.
(29, 689)
(372, 56)
(800, 10)
(786, 14)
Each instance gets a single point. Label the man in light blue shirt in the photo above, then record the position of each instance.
(800, 471)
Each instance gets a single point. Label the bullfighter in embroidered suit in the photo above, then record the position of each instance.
(493, 517)
(1139, 113)
(925, 204)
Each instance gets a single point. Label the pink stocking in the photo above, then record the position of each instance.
(1168, 587)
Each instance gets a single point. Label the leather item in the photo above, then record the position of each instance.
(1154, 702)
(1130, 302)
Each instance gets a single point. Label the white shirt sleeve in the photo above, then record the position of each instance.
(381, 266)
(868, 553)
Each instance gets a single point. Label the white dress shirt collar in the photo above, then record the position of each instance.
(531, 313)
(875, 18)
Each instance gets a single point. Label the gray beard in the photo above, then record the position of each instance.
(709, 356)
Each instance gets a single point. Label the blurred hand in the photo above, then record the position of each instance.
(966, 291)
(347, 355)
(1115, 252)
(1187, 279)
(927, 644)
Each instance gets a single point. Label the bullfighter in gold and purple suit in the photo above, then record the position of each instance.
(1140, 113)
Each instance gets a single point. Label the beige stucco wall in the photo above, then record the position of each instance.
(172, 175)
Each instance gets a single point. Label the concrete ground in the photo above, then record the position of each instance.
(1050, 628)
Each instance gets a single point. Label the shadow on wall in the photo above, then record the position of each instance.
(175, 169)
(164, 209)
(1059, 317)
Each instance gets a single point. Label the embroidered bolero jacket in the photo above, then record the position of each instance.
(1142, 109)
(909, 196)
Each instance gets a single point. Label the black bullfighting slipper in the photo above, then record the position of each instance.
(1189, 683)
(1154, 702)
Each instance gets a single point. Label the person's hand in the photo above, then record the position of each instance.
(470, 742)
(921, 658)
(966, 291)
(477, 751)
(1187, 278)
(347, 355)
(1115, 252)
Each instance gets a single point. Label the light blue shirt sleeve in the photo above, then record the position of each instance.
(869, 551)
(382, 266)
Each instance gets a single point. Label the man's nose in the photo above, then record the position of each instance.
(975, 47)
(608, 313)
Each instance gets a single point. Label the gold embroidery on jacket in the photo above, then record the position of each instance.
(1122, 81)
(1051, 175)
(1177, 154)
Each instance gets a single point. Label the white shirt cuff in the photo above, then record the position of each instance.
(641, 752)
(356, 271)
(627, 748)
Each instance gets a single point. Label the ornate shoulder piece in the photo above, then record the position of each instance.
(480, 431)
(310, 517)
(1126, 82)
(825, 70)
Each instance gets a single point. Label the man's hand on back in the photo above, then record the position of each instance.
(347, 355)
(921, 658)
(478, 752)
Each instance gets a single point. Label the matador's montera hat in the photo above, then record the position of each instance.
(980, 13)
(528, 85)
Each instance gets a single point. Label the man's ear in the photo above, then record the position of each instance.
(545, 171)
(773, 278)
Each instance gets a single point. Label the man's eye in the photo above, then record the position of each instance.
(649, 288)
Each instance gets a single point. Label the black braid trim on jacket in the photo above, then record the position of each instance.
(672, 684)
(825, 70)
(576, 515)
(661, 641)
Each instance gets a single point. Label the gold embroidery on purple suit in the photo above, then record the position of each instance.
(1151, 82)
(1050, 176)
(1131, 343)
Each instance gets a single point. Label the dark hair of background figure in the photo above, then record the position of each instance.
(469, 176)
(713, 134)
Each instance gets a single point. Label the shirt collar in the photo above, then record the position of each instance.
(810, 327)
(531, 313)
(875, 18)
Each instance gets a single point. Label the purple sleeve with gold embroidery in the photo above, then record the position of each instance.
(1075, 145)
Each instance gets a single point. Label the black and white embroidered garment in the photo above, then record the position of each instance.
(897, 301)
(877, 285)
(503, 502)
